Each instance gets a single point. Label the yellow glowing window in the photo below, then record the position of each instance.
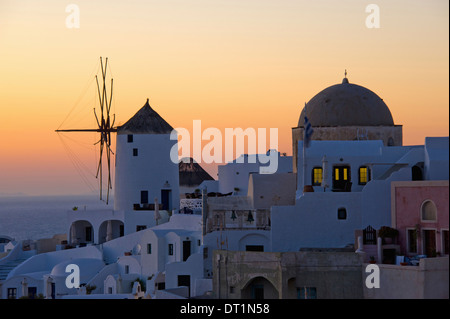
(345, 174)
(336, 174)
(317, 176)
(363, 175)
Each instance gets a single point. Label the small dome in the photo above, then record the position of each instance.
(346, 104)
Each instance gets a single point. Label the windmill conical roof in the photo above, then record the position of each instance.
(145, 121)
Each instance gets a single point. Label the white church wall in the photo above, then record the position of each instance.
(436, 158)
(236, 175)
(313, 225)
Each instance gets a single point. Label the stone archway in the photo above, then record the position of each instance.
(259, 288)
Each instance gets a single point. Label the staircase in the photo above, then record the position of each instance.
(6, 268)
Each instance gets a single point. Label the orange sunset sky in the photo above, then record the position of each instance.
(229, 63)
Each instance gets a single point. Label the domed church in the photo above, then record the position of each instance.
(347, 111)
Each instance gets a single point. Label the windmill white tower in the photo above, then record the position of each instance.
(144, 170)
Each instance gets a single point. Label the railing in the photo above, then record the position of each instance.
(369, 236)
(146, 206)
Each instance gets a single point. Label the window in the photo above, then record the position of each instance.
(161, 285)
(140, 227)
(306, 293)
(135, 152)
(254, 248)
(317, 176)
(144, 197)
(127, 269)
(12, 293)
(149, 249)
(364, 175)
(390, 142)
(170, 249)
(428, 211)
(412, 241)
(130, 138)
(342, 213)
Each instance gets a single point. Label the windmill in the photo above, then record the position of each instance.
(105, 128)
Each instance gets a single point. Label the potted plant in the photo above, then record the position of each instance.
(387, 234)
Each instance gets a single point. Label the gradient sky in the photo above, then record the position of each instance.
(229, 63)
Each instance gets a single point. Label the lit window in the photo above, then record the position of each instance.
(428, 211)
(317, 176)
(336, 174)
(363, 175)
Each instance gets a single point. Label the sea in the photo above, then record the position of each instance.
(36, 217)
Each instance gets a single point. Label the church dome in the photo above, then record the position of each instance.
(346, 104)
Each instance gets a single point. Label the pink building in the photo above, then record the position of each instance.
(420, 212)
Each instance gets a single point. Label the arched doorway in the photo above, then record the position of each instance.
(259, 288)
(81, 233)
(109, 230)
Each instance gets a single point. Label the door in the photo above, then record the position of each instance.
(144, 197)
(52, 291)
(341, 178)
(32, 292)
(88, 231)
(429, 242)
(165, 199)
(186, 249)
(257, 292)
(185, 280)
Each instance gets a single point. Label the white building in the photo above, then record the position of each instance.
(146, 248)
